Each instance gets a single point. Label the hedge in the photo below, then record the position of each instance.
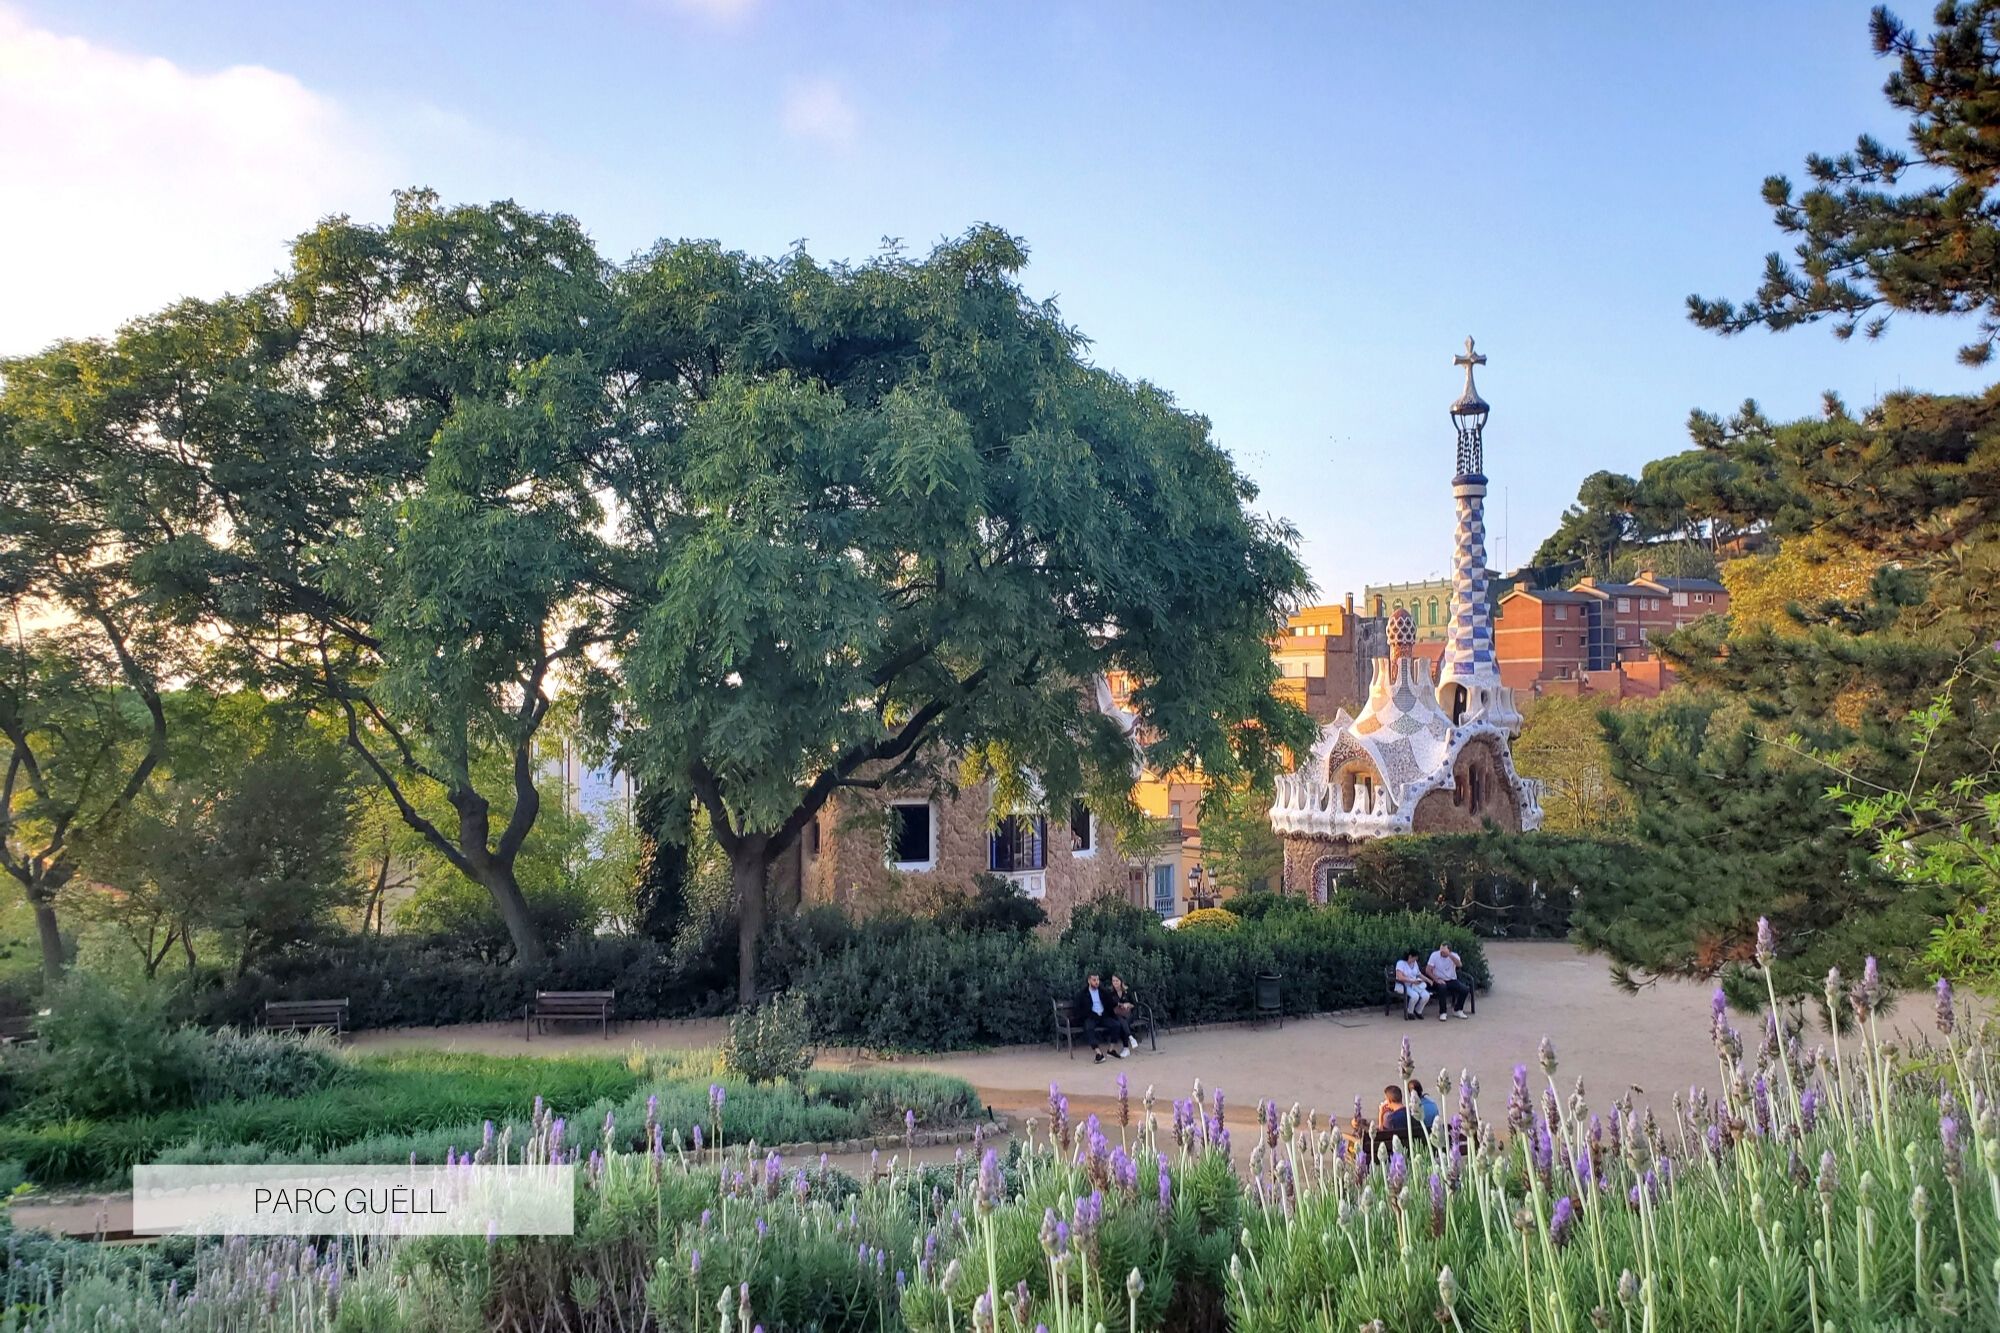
(1502, 885)
(911, 986)
(893, 982)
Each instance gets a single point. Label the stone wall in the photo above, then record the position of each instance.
(1482, 793)
(1303, 854)
(850, 868)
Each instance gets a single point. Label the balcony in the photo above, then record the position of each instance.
(1028, 883)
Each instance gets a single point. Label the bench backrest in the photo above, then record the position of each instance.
(18, 1026)
(1063, 1011)
(304, 1008)
(573, 1001)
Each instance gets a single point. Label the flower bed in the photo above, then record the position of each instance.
(1848, 1188)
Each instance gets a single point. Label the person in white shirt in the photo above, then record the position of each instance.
(1442, 972)
(1410, 985)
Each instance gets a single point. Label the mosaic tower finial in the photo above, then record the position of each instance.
(1469, 675)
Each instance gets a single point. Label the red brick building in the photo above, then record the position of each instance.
(1595, 635)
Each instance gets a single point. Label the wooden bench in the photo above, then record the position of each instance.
(1393, 999)
(570, 1006)
(305, 1016)
(18, 1030)
(1140, 1020)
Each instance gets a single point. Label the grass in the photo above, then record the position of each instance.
(421, 1105)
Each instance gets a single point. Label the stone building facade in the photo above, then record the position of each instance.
(916, 851)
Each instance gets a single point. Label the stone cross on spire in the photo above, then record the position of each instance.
(1469, 360)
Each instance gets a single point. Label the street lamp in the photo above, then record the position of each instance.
(1194, 883)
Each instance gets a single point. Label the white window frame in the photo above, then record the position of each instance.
(1562, 612)
(1624, 604)
(889, 851)
(1680, 599)
(1084, 853)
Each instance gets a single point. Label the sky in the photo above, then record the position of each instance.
(1290, 216)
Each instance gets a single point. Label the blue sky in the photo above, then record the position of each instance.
(1290, 216)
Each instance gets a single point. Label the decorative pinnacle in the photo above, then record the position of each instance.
(1469, 402)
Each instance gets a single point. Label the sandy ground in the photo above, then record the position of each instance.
(1654, 1042)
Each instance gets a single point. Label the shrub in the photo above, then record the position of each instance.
(106, 1052)
(1503, 885)
(1210, 918)
(1257, 906)
(236, 1066)
(770, 1041)
(993, 904)
(1001, 984)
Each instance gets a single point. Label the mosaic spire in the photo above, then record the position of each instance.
(1469, 678)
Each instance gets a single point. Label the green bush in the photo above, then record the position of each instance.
(770, 1041)
(1502, 885)
(1000, 985)
(106, 1051)
(993, 904)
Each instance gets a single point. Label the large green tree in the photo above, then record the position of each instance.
(379, 495)
(1881, 230)
(898, 520)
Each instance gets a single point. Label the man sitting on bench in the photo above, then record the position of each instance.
(1096, 1012)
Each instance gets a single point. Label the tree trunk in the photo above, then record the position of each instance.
(50, 932)
(660, 896)
(499, 881)
(748, 871)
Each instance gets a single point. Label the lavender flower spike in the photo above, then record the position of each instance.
(1946, 1020)
(1767, 942)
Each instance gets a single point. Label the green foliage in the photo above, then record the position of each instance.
(904, 513)
(1256, 906)
(106, 1052)
(1947, 836)
(770, 1041)
(1882, 231)
(1501, 885)
(993, 904)
(1000, 986)
(241, 838)
(1812, 1191)
(1562, 745)
(1238, 846)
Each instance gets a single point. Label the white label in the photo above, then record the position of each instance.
(354, 1200)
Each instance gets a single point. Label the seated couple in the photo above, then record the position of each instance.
(1404, 1117)
(1416, 982)
(1105, 1014)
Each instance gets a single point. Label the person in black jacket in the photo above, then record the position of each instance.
(1096, 1013)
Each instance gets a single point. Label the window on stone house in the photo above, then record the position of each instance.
(812, 838)
(1021, 842)
(912, 834)
(1082, 829)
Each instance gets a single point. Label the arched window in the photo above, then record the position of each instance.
(1434, 610)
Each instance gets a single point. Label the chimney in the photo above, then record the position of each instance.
(1381, 605)
(1350, 604)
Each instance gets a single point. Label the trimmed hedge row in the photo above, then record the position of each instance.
(893, 982)
(908, 985)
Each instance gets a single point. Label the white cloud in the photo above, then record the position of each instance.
(133, 182)
(820, 109)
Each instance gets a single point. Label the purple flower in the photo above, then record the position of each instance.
(694, 1264)
(1562, 1221)
(1547, 1051)
(1945, 1019)
(1407, 1060)
(1809, 1108)
(991, 1184)
(1767, 942)
(1166, 1186)
(909, 1126)
(1520, 1106)
(1954, 1151)
(1869, 993)
(1399, 1169)
(1437, 1204)
(1124, 1102)
(716, 1097)
(697, 1137)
